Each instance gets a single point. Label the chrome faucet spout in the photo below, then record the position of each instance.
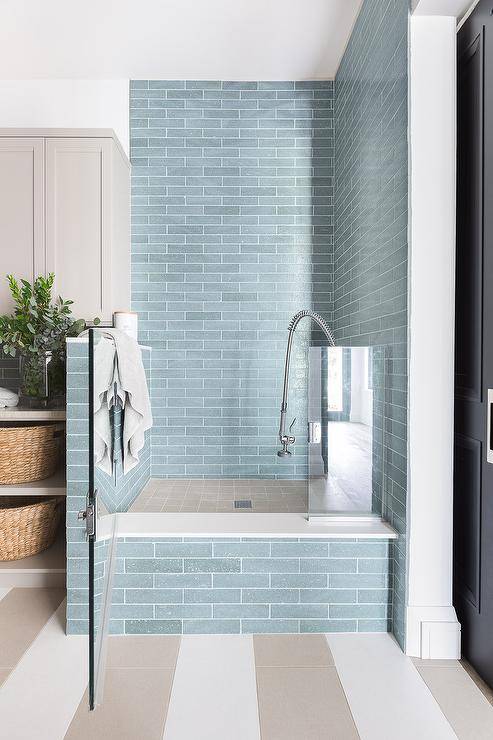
(289, 439)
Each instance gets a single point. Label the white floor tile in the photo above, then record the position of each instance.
(388, 698)
(214, 694)
(41, 695)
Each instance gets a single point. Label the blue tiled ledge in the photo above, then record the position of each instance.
(182, 585)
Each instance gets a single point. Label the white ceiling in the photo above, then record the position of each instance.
(174, 39)
(455, 8)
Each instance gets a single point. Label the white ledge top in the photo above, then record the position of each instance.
(85, 340)
(248, 525)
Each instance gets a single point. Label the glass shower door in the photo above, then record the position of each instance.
(90, 517)
(345, 431)
(100, 519)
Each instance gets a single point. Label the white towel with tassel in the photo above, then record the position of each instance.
(119, 374)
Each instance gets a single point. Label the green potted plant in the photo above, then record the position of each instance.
(36, 332)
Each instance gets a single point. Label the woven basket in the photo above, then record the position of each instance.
(27, 526)
(28, 453)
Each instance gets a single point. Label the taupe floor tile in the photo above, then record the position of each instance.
(135, 706)
(23, 614)
(143, 651)
(217, 495)
(435, 663)
(4, 672)
(303, 703)
(482, 686)
(463, 704)
(291, 651)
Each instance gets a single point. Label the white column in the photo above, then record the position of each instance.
(432, 629)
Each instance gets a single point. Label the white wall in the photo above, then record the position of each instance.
(66, 104)
(432, 627)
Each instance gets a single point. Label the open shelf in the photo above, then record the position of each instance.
(54, 486)
(19, 413)
(48, 568)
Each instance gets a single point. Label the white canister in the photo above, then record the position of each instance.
(127, 321)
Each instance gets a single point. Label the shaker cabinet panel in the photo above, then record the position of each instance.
(78, 222)
(65, 208)
(21, 212)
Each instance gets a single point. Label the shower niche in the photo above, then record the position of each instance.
(346, 397)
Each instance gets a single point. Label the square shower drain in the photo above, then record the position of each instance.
(244, 503)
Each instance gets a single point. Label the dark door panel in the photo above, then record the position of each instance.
(467, 519)
(473, 474)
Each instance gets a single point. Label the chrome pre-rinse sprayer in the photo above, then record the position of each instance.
(289, 439)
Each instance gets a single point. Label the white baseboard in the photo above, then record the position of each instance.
(433, 632)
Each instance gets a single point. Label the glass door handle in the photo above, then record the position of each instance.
(314, 432)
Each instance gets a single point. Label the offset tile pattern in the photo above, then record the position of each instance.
(232, 220)
(370, 253)
(204, 585)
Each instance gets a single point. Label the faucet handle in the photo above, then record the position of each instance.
(292, 424)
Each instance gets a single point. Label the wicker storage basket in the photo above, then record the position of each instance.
(28, 453)
(27, 525)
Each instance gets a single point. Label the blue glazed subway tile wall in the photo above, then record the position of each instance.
(115, 494)
(207, 585)
(232, 233)
(370, 252)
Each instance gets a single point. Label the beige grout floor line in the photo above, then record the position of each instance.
(388, 698)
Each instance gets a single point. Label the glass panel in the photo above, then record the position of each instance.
(102, 544)
(345, 401)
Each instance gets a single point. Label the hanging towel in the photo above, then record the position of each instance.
(120, 375)
(104, 398)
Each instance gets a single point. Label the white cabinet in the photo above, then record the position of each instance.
(21, 212)
(65, 208)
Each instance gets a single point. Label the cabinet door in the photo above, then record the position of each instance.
(78, 223)
(21, 212)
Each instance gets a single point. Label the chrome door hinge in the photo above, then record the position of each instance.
(88, 515)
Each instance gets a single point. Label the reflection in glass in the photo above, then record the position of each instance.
(346, 404)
